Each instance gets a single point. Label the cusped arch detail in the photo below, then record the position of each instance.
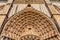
(29, 22)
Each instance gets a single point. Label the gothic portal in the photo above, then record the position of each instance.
(29, 23)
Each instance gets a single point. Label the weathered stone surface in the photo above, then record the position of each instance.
(10, 1)
(5, 9)
(53, 10)
(28, 1)
(57, 19)
(30, 22)
(18, 7)
(2, 17)
(12, 11)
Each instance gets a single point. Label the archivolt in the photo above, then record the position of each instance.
(29, 22)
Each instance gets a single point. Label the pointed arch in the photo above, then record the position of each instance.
(30, 22)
